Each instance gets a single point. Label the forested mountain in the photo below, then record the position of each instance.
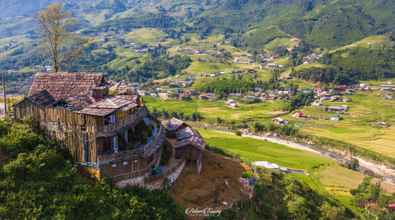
(252, 25)
(324, 23)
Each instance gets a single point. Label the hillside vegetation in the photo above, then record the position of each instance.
(39, 181)
(370, 58)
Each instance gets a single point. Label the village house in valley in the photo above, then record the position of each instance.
(109, 136)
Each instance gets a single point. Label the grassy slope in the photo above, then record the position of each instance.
(257, 38)
(367, 55)
(208, 67)
(357, 127)
(211, 110)
(281, 42)
(125, 58)
(326, 176)
(326, 24)
(371, 42)
(150, 36)
(255, 150)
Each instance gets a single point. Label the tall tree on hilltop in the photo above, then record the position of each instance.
(62, 45)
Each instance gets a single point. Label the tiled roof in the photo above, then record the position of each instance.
(74, 91)
(174, 124)
(42, 98)
(185, 135)
(65, 85)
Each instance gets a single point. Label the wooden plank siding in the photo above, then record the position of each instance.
(69, 128)
(62, 125)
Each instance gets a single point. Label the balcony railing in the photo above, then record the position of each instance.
(155, 144)
(141, 152)
(121, 156)
(134, 174)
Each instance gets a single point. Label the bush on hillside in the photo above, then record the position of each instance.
(225, 86)
(368, 193)
(17, 138)
(277, 197)
(301, 99)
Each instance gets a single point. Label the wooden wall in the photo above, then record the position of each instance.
(189, 153)
(62, 125)
(69, 127)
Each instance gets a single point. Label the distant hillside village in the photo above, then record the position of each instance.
(182, 90)
(110, 135)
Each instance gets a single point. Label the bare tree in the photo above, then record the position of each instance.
(2, 56)
(53, 23)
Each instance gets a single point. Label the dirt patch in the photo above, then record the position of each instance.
(217, 183)
(388, 187)
(385, 186)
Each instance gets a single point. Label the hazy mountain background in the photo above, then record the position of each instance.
(325, 23)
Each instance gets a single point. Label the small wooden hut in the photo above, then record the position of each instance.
(187, 142)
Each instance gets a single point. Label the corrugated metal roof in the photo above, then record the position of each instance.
(77, 103)
(110, 105)
(174, 124)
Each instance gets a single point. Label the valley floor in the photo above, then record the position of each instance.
(358, 126)
(323, 174)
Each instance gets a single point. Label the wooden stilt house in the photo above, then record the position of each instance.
(112, 136)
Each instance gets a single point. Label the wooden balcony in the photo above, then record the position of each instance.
(124, 171)
(129, 174)
(121, 156)
(141, 152)
(132, 120)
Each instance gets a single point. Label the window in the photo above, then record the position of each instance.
(126, 136)
(86, 147)
(110, 120)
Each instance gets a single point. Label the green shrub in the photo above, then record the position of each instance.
(19, 138)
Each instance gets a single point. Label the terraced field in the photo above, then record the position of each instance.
(150, 36)
(325, 175)
(211, 110)
(359, 126)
